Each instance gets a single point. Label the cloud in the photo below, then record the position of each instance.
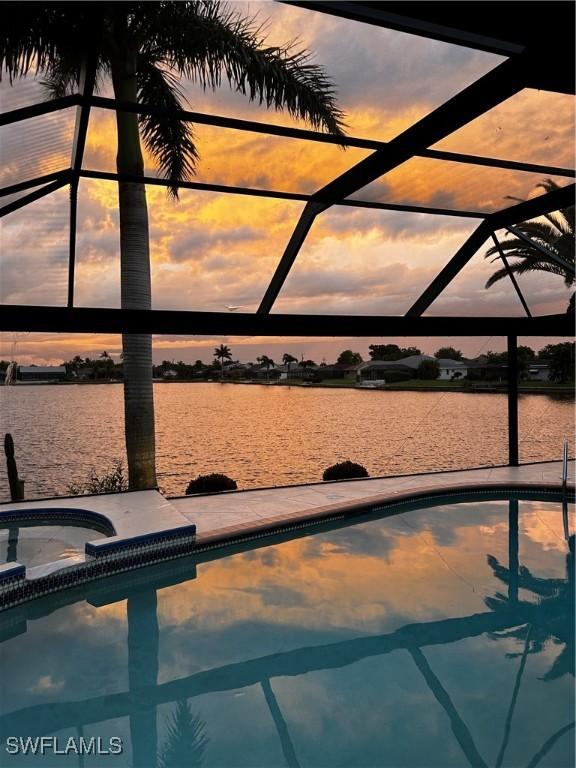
(199, 244)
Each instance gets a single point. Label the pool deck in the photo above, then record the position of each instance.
(225, 517)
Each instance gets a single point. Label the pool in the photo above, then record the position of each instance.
(430, 638)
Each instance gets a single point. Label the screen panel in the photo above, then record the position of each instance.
(37, 146)
(235, 158)
(23, 92)
(34, 239)
(209, 251)
(369, 262)
(455, 186)
(531, 127)
(7, 199)
(467, 295)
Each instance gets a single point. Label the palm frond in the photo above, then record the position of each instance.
(169, 140)
(554, 232)
(541, 231)
(526, 266)
(35, 39)
(209, 42)
(62, 78)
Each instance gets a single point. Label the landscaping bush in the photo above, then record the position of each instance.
(214, 483)
(344, 471)
(114, 481)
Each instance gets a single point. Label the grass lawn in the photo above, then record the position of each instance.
(437, 384)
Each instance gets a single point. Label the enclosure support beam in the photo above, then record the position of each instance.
(41, 108)
(23, 318)
(454, 266)
(30, 183)
(536, 206)
(276, 194)
(296, 241)
(72, 240)
(87, 84)
(491, 89)
(513, 401)
(37, 194)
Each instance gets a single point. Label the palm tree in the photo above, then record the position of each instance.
(554, 231)
(267, 362)
(143, 48)
(222, 353)
(288, 360)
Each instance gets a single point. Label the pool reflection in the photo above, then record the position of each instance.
(187, 678)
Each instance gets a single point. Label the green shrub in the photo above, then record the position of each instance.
(214, 483)
(344, 471)
(114, 481)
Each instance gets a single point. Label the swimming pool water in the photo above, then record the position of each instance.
(433, 638)
(33, 545)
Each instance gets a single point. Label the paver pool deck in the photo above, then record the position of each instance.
(219, 516)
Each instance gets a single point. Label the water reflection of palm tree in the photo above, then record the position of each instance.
(555, 621)
(185, 739)
(556, 602)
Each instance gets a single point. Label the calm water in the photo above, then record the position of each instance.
(263, 435)
(393, 643)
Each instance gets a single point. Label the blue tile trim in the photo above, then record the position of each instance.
(11, 572)
(59, 516)
(119, 555)
(121, 543)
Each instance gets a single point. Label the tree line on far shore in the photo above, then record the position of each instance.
(559, 357)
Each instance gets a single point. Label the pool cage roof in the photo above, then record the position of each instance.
(537, 48)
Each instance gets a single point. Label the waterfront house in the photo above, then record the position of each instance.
(373, 370)
(297, 371)
(41, 373)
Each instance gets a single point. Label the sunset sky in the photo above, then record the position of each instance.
(210, 250)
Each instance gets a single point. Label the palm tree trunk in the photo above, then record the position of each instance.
(136, 292)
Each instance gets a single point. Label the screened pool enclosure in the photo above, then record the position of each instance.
(498, 123)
